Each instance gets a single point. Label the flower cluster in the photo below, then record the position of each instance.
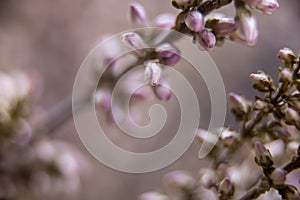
(269, 129)
(30, 162)
(210, 29)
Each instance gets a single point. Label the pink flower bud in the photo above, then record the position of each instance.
(153, 196)
(163, 91)
(137, 14)
(228, 137)
(179, 180)
(224, 27)
(226, 186)
(263, 156)
(168, 54)
(248, 28)
(194, 21)
(153, 73)
(278, 176)
(286, 55)
(103, 99)
(206, 39)
(237, 103)
(266, 6)
(286, 75)
(133, 40)
(165, 20)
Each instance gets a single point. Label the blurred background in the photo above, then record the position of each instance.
(49, 39)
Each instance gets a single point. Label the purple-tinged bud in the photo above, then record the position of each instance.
(207, 177)
(291, 116)
(163, 91)
(165, 20)
(133, 40)
(153, 196)
(292, 149)
(263, 156)
(179, 180)
(286, 55)
(260, 105)
(224, 27)
(168, 54)
(103, 99)
(194, 21)
(207, 137)
(238, 104)
(286, 75)
(248, 28)
(153, 73)
(261, 81)
(278, 176)
(137, 14)
(226, 187)
(266, 6)
(206, 39)
(228, 137)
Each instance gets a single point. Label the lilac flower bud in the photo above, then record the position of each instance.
(260, 105)
(228, 137)
(292, 149)
(266, 6)
(206, 39)
(291, 116)
(248, 28)
(153, 196)
(263, 156)
(163, 91)
(168, 54)
(286, 75)
(133, 40)
(194, 21)
(278, 176)
(103, 99)
(286, 55)
(207, 177)
(261, 81)
(165, 20)
(179, 180)
(224, 27)
(238, 104)
(205, 136)
(226, 187)
(153, 73)
(137, 14)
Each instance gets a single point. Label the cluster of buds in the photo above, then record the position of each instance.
(30, 163)
(210, 29)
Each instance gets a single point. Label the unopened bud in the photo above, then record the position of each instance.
(133, 40)
(291, 116)
(248, 28)
(180, 3)
(224, 27)
(263, 156)
(266, 6)
(206, 39)
(260, 105)
(286, 55)
(103, 99)
(165, 20)
(226, 187)
(228, 137)
(168, 54)
(137, 14)
(207, 177)
(179, 180)
(163, 91)
(239, 105)
(286, 75)
(194, 21)
(278, 176)
(261, 81)
(153, 196)
(153, 73)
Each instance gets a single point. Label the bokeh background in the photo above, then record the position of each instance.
(49, 39)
